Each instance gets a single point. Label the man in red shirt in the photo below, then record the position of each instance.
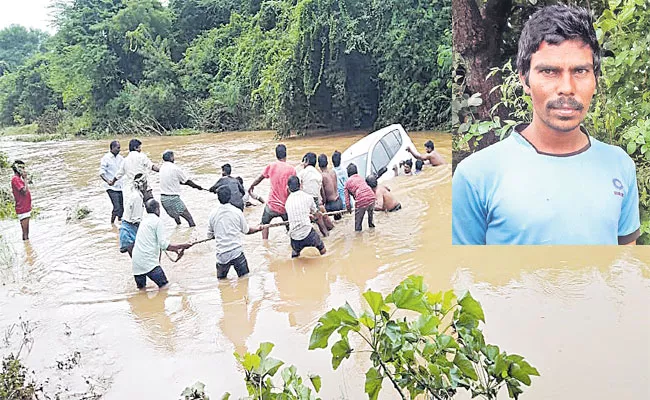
(278, 173)
(364, 197)
(20, 188)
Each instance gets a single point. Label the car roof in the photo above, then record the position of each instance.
(363, 145)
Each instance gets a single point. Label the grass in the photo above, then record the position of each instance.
(30, 129)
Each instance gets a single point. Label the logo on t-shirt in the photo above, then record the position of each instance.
(618, 185)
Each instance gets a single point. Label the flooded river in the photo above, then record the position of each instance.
(580, 315)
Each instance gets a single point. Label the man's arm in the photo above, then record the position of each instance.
(191, 184)
(629, 223)
(254, 229)
(416, 154)
(255, 183)
(436, 159)
(469, 215)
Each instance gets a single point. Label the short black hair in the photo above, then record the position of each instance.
(336, 158)
(167, 155)
(281, 151)
(224, 193)
(409, 162)
(240, 180)
(113, 144)
(418, 165)
(151, 205)
(553, 25)
(372, 181)
(134, 144)
(352, 169)
(322, 161)
(226, 168)
(15, 165)
(293, 183)
(429, 144)
(311, 159)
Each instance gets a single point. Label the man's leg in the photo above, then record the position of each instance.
(371, 210)
(222, 270)
(188, 217)
(140, 281)
(317, 242)
(359, 213)
(241, 265)
(114, 203)
(120, 203)
(266, 219)
(24, 225)
(295, 248)
(157, 275)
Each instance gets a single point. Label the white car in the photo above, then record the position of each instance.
(383, 148)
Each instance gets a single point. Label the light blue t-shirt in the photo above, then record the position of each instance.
(509, 193)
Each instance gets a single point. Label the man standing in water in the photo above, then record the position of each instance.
(236, 188)
(278, 173)
(300, 208)
(431, 155)
(550, 182)
(384, 199)
(364, 198)
(22, 195)
(133, 213)
(341, 176)
(312, 184)
(226, 224)
(109, 165)
(171, 179)
(150, 241)
(329, 190)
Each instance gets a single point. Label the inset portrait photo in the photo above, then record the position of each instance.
(552, 115)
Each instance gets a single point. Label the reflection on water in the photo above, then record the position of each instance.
(580, 315)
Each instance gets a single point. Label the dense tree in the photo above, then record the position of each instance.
(17, 44)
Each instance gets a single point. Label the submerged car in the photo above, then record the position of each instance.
(383, 148)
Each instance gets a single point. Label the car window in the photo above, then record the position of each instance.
(380, 157)
(392, 141)
(360, 161)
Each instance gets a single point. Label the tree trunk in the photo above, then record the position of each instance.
(476, 38)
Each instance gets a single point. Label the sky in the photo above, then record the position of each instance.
(28, 13)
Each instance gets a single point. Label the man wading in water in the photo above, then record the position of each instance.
(300, 210)
(329, 190)
(226, 225)
(236, 188)
(431, 155)
(363, 195)
(312, 183)
(151, 239)
(133, 213)
(171, 179)
(278, 173)
(109, 165)
(22, 195)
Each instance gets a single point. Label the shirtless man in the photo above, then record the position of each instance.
(385, 201)
(329, 190)
(432, 156)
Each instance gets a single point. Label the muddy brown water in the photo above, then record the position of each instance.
(579, 314)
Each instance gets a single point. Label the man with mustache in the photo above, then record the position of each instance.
(550, 182)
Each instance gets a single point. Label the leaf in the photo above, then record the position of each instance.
(446, 341)
(347, 315)
(393, 331)
(631, 147)
(340, 351)
(409, 299)
(491, 352)
(251, 362)
(373, 383)
(265, 349)
(375, 301)
(427, 324)
(465, 365)
(226, 396)
(367, 320)
(316, 381)
(447, 299)
(475, 100)
(472, 307)
(327, 324)
(270, 366)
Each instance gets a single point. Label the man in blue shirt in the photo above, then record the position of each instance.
(550, 182)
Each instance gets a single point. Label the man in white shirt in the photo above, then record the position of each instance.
(171, 179)
(108, 167)
(133, 213)
(134, 163)
(312, 184)
(225, 225)
(150, 241)
(300, 207)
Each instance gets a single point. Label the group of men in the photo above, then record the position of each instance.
(300, 195)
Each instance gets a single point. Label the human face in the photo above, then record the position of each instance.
(428, 149)
(407, 169)
(115, 149)
(561, 83)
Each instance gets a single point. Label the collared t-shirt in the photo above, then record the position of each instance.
(108, 167)
(226, 224)
(311, 180)
(357, 187)
(278, 173)
(171, 177)
(299, 206)
(149, 241)
(23, 200)
(134, 163)
(236, 189)
(509, 193)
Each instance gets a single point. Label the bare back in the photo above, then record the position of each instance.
(330, 185)
(435, 159)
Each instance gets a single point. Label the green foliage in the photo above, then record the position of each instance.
(259, 369)
(14, 382)
(17, 44)
(436, 351)
(195, 392)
